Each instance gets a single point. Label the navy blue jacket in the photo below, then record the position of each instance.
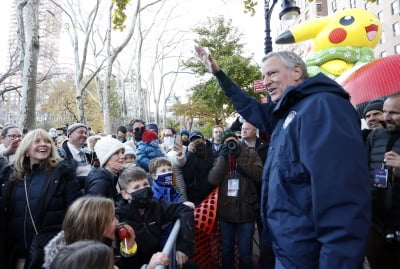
(59, 191)
(315, 190)
(101, 182)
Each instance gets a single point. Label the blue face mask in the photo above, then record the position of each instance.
(154, 143)
(164, 179)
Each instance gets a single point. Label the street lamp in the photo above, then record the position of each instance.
(289, 14)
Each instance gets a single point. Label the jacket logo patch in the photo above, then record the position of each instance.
(289, 119)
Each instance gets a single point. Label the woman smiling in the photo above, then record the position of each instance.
(36, 191)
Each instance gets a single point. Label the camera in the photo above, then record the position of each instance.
(393, 237)
(232, 145)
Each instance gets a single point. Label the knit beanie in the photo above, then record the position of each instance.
(129, 150)
(152, 126)
(148, 136)
(106, 147)
(75, 126)
(226, 134)
(376, 104)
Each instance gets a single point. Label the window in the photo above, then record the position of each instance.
(383, 39)
(334, 6)
(397, 49)
(380, 16)
(352, 3)
(383, 54)
(396, 29)
(395, 5)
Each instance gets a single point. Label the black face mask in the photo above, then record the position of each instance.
(141, 198)
(138, 133)
(200, 149)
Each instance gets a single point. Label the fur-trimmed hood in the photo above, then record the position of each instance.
(52, 248)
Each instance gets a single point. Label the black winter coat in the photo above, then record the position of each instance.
(60, 190)
(101, 182)
(195, 173)
(149, 227)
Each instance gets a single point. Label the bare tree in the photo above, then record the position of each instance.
(29, 73)
(113, 54)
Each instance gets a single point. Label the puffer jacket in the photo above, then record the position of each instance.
(245, 206)
(101, 182)
(60, 190)
(145, 153)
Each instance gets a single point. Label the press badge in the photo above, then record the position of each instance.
(380, 178)
(233, 187)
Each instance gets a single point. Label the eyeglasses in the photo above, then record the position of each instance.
(137, 129)
(14, 136)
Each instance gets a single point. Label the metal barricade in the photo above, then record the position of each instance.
(170, 246)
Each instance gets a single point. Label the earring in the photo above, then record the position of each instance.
(26, 154)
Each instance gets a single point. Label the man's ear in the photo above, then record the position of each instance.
(297, 71)
(153, 175)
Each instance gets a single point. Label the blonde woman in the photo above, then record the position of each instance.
(35, 194)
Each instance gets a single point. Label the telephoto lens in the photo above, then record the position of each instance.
(231, 145)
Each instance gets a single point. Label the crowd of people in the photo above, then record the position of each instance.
(320, 191)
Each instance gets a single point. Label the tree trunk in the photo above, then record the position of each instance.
(29, 73)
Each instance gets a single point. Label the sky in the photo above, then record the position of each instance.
(192, 12)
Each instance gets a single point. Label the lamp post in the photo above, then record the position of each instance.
(289, 15)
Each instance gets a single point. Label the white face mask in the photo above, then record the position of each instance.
(169, 141)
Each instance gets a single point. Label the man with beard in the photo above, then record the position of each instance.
(383, 146)
(199, 161)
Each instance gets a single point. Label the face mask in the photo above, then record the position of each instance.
(138, 133)
(200, 148)
(164, 180)
(154, 143)
(141, 198)
(169, 141)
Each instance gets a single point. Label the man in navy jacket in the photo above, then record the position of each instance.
(315, 190)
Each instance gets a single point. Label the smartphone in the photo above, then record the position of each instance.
(178, 139)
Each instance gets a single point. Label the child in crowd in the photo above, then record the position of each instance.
(148, 149)
(163, 181)
(135, 206)
(130, 156)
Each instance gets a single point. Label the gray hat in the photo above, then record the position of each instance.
(376, 104)
(75, 126)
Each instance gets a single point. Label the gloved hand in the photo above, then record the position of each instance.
(223, 151)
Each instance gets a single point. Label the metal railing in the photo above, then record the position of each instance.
(170, 246)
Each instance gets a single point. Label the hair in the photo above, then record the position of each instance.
(158, 162)
(21, 160)
(84, 254)
(218, 126)
(5, 130)
(87, 218)
(131, 173)
(170, 128)
(121, 129)
(290, 60)
(92, 140)
(60, 138)
(132, 122)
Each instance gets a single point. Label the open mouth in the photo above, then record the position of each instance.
(372, 31)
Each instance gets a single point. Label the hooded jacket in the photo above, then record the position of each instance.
(315, 192)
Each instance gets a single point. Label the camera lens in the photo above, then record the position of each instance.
(231, 145)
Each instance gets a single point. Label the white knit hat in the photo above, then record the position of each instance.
(106, 147)
(129, 150)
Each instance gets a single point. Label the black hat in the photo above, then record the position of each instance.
(376, 104)
(195, 134)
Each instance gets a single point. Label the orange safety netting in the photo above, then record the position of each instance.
(208, 238)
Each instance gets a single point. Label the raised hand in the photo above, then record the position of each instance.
(206, 59)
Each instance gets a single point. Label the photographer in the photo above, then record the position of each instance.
(236, 170)
(199, 161)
